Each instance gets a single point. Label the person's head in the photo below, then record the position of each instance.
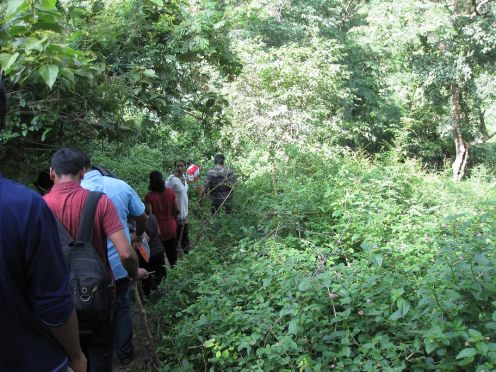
(179, 167)
(219, 159)
(3, 104)
(68, 163)
(87, 164)
(156, 182)
(43, 183)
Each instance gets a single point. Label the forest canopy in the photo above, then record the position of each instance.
(416, 76)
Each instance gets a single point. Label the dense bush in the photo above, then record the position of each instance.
(347, 264)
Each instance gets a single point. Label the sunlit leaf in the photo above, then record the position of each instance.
(33, 43)
(49, 74)
(7, 60)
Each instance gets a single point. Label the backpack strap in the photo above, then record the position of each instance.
(85, 229)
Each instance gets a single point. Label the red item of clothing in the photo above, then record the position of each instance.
(66, 201)
(162, 204)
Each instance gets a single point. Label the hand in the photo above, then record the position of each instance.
(143, 273)
(78, 363)
(136, 240)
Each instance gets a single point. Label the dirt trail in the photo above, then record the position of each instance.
(143, 358)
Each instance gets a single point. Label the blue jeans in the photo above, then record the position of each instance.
(123, 331)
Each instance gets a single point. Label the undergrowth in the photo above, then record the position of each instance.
(336, 262)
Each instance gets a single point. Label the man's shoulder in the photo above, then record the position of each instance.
(117, 185)
(15, 193)
(212, 172)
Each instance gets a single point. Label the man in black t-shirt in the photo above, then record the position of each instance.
(219, 184)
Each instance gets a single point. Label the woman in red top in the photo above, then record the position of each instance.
(164, 205)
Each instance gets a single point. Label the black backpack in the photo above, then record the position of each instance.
(91, 284)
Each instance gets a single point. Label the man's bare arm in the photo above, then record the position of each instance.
(126, 253)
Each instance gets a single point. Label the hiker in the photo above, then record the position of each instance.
(39, 324)
(219, 184)
(163, 204)
(128, 204)
(178, 182)
(66, 200)
(156, 261)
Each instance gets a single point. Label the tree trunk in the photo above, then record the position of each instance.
(460, 164)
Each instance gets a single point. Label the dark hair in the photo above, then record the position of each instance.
(219, 159)
(179, 161)
(3, 104)
(156, 182)
(69, 161)
(43, 183)
(147, 208)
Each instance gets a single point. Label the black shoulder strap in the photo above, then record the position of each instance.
(85, 229)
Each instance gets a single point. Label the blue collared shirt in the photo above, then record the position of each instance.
(34, 282)
(126, 201)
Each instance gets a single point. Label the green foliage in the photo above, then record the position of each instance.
(125, 71)
(132, 164)
(341, 263)
(305, 79)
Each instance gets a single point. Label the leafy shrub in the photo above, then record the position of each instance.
(347, 264)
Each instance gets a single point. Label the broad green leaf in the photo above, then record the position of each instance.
(403, 306)
(377, 260)
(33, 43)
(430, 346)
(68, 74)
(158, 2)
(7, 60)
(49, 74)
(49, 3)
(366, 246)
(266, 282)
(13, 6)
(466, 353)
(395, 316)
(293, 327)
(304, 285)
(150, 73)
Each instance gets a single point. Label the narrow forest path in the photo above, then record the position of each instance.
(143, 356)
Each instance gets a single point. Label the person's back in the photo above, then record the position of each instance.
(156, 262)
(219, 183)
(128, 204)
(66, 200)
(164, 205)
(34, 287)
(152, 230)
